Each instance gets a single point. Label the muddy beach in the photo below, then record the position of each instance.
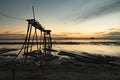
(72, 67)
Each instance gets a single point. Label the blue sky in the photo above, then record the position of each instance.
(66, 17)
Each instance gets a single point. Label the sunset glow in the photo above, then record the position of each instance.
(66, 18)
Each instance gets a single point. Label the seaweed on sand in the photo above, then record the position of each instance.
(5, 50)
(90, 57)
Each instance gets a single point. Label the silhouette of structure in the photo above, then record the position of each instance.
(43, 41)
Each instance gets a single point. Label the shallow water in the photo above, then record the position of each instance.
(110, 50)
(103, 49)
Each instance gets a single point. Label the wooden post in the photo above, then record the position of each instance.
(45, 46)
(13, 74)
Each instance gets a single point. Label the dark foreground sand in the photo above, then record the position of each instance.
(64, 69)
(77, 71)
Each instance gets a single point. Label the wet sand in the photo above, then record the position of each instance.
(73, 68)
(76, 71)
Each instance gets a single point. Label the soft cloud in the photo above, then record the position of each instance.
(95, 8)
(11, 32)
(12, 36)
(113, 35)
(110, 33)
(67, 34)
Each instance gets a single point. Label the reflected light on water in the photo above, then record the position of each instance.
(92, 49)
(98, 48)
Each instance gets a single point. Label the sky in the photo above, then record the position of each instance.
(66, 18)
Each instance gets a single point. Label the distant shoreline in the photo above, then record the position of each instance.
(74, 39)
(104, 43)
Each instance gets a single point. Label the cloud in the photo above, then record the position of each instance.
(113, 35)
(59, 35)
(97, 8)
(67, 34)
(12, 36)
(110, 33)
(11, 32)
